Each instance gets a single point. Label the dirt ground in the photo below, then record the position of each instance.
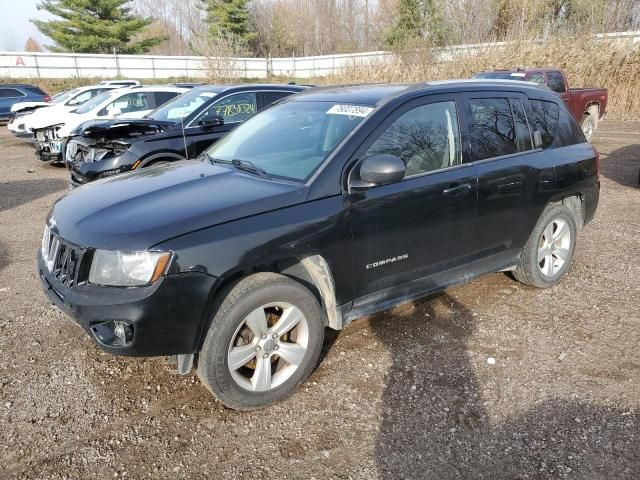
(407, 393)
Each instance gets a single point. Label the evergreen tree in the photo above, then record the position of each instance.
(94, 26)
(229, 18)
(419, 19)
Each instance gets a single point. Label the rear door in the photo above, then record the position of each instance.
(512, 176)
(408, 236)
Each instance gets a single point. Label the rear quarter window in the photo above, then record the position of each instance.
(555, 124)
(35, 91)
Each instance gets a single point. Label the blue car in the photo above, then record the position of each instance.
(11, 94)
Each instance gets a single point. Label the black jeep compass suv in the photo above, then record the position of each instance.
(332, 204)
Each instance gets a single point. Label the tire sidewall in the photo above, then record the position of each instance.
(588, 119)
(216, 367)
(555, 212)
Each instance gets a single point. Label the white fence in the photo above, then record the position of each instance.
(67, 65)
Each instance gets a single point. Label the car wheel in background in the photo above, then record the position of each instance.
(588, 126)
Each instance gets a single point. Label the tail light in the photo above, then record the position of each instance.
(47, 98)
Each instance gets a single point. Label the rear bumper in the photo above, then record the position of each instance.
(591, 198)
(167, 317)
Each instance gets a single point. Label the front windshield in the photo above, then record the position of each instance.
(96, 101)
(292, 139)
(62, 96)
(181, 107)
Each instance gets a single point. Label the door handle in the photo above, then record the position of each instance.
(455, 190)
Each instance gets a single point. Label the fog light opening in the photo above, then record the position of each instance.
(114, 333)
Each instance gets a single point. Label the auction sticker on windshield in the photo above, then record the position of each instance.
(350, 110)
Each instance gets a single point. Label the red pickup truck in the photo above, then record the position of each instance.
(588, 105)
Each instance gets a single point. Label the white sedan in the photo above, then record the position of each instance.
(28, 114)
(133, 102)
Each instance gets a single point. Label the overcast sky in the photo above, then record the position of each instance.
(15, 27)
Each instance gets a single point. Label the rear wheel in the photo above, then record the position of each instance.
(264, 341)
(549, 250)
(588, 125)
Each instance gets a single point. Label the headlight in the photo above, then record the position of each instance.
(127, 269)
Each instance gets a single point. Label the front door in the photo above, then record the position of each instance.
(408, 236)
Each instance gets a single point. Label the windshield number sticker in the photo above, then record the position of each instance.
(350, 110)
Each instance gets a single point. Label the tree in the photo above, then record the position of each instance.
(32, 45)
(229, 18)
(409, 25)
(94, 26)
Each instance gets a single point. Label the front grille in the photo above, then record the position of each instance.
(63, 259)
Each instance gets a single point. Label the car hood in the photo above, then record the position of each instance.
(19, 107)
(121, 128)
(138, 210)
(44, 117)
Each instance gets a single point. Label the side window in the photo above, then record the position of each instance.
(544, 119)
(10, 93)
(131, 102)
(523, 135)
(555, 82)
(82, 98)
(234, 109)
(426, 138)
(270, 97)
(537, 78)
(493, 130)
(163, 97)
(99, 91)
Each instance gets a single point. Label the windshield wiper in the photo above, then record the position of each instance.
(244, 165)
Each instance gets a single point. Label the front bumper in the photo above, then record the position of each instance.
(85, 166)
(49, 151)
(167, 317)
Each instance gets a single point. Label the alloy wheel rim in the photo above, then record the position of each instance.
(587, 129)
(553, 247)
(268, 346)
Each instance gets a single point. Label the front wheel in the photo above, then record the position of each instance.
(265, 340)
(548, 252)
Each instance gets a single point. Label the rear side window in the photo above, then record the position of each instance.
(499, 127)
(523, 135)
(425, 138)
(10, 93)
(555, 82)
(545, 116)
(164, 97)
(270, 97)
(536, 78)
(35, 90)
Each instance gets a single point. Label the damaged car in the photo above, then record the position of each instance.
(132, 102)
(182, 128)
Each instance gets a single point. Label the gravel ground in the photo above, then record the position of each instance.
(408, 393)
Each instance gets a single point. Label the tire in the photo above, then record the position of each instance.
(557, 255)
(233, 338)
(588, 126)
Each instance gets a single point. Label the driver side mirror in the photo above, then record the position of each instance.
(380, 169)
(211, 122)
